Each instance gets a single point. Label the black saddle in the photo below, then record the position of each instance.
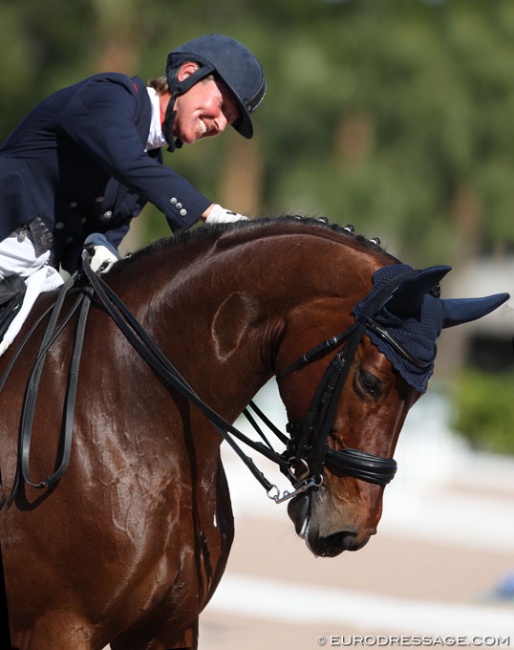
(12, 291)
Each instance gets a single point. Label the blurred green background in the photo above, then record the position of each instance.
(394, 115)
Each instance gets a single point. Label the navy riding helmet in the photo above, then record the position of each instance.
(230, 61)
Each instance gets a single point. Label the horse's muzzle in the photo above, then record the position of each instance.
(303, 512)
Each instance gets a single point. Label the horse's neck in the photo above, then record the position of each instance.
(220, 314)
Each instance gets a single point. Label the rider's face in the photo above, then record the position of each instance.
(203, 111)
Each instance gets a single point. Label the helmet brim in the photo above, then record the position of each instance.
(243, 124)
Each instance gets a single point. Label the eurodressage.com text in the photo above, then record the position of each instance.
(412, 641)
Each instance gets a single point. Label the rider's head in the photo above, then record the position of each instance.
(227, 61)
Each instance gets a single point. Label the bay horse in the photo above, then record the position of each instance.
(129, 545)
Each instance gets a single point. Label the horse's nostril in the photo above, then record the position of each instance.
(332, 545)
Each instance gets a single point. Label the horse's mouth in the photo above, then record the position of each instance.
(346, 538)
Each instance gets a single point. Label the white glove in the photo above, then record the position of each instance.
(102, 259)
(220, 215)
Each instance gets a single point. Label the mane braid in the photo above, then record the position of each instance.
(213, 231)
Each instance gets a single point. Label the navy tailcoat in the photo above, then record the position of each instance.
(78, 162)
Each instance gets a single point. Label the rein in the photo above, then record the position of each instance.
(304, 458)
(29, 403)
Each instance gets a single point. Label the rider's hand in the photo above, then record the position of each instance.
(217, 214)
(102, 259)
(102, 253)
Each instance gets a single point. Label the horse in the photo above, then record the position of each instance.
(129, 545)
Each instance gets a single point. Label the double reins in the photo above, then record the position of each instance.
(304, 459)
(305, 456)
(148, 350)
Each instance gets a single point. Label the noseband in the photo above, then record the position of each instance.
(309, 450)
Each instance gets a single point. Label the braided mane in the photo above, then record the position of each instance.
(213, 232)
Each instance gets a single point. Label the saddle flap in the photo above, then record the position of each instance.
(12, 286)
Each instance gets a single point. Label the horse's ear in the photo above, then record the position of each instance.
(462, 310)
(408, 298)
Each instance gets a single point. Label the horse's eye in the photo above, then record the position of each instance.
(369, 382)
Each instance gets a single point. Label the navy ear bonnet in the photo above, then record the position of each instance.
(406, 327)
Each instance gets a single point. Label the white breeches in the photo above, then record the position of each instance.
(18, 257)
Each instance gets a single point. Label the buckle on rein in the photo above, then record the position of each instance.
(303, 483)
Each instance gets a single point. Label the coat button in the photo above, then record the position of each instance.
(108, 214)
(73, 204)
(173, 200)
(179, 205)
(183, 212)
(99, 199)
(59, 225)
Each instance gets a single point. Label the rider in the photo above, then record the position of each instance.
(86, 160)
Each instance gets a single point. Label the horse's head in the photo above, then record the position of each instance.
(347, 408)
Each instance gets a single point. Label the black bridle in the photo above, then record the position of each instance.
(305, 456)
(309, 449)
(310, 452)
